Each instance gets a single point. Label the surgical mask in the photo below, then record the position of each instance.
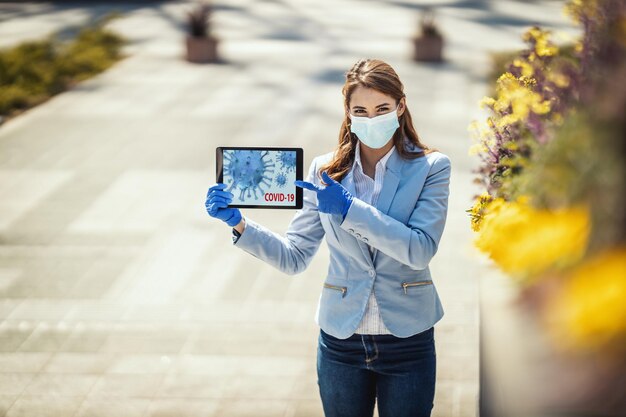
(377, 131)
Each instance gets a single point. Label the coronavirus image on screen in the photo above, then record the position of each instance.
(258, 177)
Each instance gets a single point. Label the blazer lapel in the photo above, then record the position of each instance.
(348, 183)
(390, 186)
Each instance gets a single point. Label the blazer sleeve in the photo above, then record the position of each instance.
(293, 252)
(415, 243)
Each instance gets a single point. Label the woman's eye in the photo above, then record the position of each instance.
(381, 109)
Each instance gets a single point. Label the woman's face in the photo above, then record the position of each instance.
(367, 102)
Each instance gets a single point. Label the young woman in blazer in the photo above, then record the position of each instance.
(381, 201)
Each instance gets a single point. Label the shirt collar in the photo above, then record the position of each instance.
(382, 161)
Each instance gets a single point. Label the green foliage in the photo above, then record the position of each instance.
(35, 70)
(584, 162)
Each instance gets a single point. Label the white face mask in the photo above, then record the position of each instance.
(377, 131)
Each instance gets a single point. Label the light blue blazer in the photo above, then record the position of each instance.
(404, 227)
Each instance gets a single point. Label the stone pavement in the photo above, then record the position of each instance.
(119, 296)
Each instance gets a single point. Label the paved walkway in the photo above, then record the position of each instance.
(119, 296)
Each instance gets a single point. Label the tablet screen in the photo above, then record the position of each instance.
(261, 177)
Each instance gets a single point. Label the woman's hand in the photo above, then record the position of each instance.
(217, 201)
(333, 199)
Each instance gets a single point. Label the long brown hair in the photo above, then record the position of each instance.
(378, 75)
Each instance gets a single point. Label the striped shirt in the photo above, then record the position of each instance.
(367, 190)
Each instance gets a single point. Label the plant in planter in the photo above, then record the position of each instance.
(554, 222)
(428, 43)
(201, 45)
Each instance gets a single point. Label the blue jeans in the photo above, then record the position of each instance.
(400, 372)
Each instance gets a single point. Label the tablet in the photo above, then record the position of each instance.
(261, 177)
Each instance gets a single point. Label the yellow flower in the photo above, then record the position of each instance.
(486, 101)
(527, 69)
(477, 148)
(521, 99)
(557, 118)
(483, 137)
(524, 241)
(543, 46)
(546, 49)
(476, 210)
(561, 80)
(589, 311)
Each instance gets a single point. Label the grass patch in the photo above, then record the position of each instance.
(33, 71)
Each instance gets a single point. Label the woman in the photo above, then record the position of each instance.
(381, 200)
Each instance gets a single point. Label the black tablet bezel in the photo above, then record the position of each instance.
(219, 167)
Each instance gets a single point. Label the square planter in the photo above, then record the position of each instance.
(201, 49)
(427, 48)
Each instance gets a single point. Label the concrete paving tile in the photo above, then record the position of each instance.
(467, 400)
(161, 312)
(45, 338)
(445, 391)
(79, 362)
(141, 364)
(13, 334)
(191, 386)
(12, 383)
(258, 387)
(210, 346)
(307, 408)
(8, 277)
(182, 407)
(109, 407)
(442, 409)
(98, 279)
(84, 340)
(305, 387)
(7, 305)
(457, 350)
(458, 368)
(41, 309)
(251, 408)
(275, 365)
(127, 204)
(216, 311)
(29, 362)
(272, 312)
(44, 406)
(98, 310)
(6, 401)
(60, 385)
(126, 386)
(143, 343)
(23, 190)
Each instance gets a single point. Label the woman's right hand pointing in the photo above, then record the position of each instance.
(333, 199)
(217, 201)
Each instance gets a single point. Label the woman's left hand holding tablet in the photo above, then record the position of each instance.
(217, 201)
(332, 199)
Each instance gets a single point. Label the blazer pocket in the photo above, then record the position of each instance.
(406, 284)
(342, 289)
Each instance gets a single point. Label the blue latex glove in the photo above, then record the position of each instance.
(217, 201)
(332, 199)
